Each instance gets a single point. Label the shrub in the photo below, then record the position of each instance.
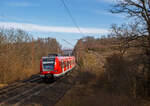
(85, 77)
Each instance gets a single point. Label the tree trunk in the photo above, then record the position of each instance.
(148, 65)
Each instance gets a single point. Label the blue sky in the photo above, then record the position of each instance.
(48, 18)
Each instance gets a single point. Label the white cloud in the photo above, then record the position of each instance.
(18, 4)
(104, 12)
(39, 28)
(108, 1)
(104, 0)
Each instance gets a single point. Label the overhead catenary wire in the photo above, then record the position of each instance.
(71, 16)
(67, 42)
(68, 11)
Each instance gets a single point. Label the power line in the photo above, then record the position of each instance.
(67, 42)
(3, 16)
(71, 16)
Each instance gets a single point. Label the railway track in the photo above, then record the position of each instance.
(20, 93)
(16, 85)
(17, 88)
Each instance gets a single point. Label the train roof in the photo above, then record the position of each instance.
(65, 57)
(59, 57)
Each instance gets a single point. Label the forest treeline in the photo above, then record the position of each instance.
(126, 50)
(20, 54)
(115, 69)
(122, 72)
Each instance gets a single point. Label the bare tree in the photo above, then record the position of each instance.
(129, 36)
(140, 11)
(18, 50)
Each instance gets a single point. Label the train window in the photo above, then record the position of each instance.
(48, 59)
(48, 66)
(66, 64)
(70, 62)
(62, 64)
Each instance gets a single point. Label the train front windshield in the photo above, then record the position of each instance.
(48, 64)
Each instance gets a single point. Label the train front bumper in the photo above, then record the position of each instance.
(47, 75)
(42, 76)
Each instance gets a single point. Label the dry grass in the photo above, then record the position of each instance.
(20, 54)
(3, 85)
(96, 88)
(90, 95)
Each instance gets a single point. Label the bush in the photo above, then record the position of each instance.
(85, 77)
(118, 76)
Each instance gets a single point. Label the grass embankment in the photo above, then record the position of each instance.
(96, 88)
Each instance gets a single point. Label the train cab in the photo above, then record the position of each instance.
(56, 66)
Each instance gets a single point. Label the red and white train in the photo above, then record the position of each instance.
(55, 66)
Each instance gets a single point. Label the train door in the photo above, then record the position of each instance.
(62, 66)
(70, 64)
(65, 62)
